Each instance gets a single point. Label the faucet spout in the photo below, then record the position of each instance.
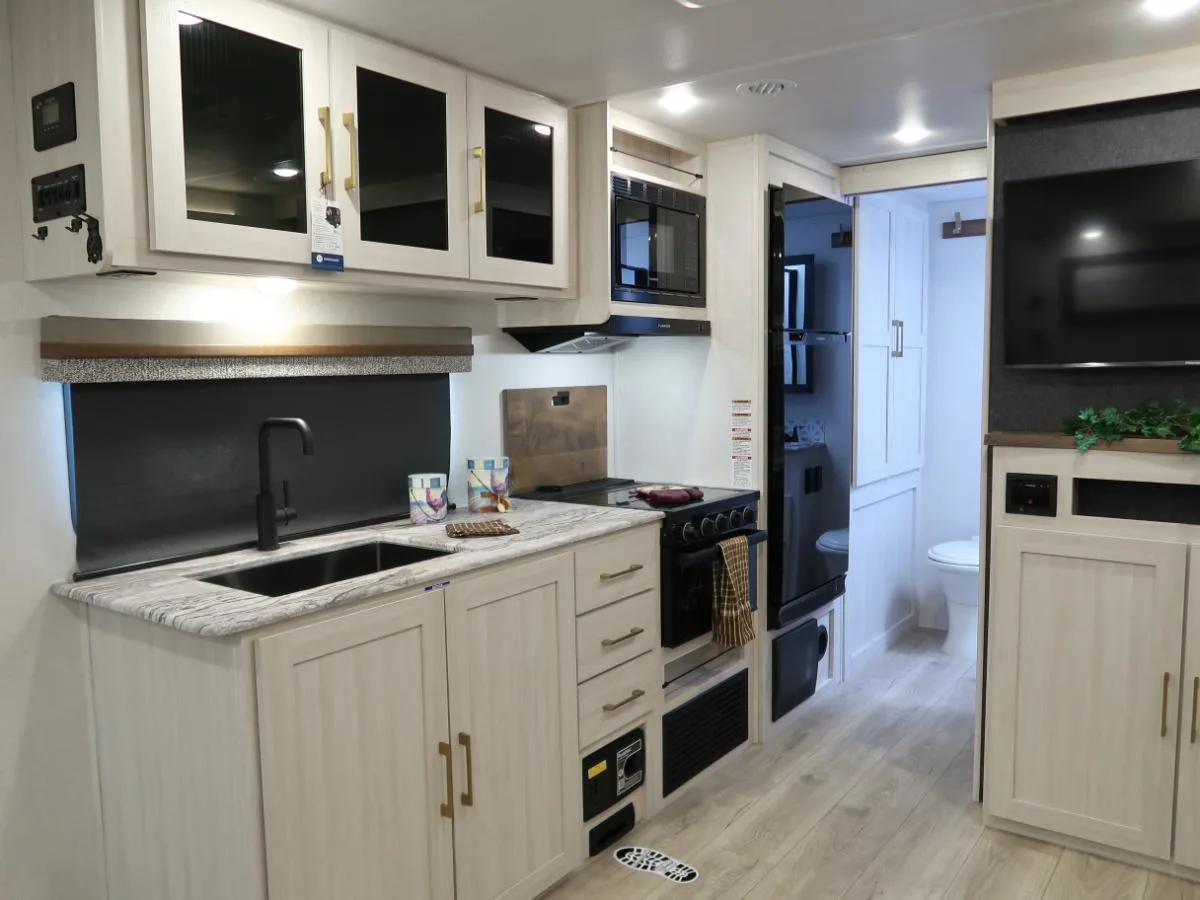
(268, 516)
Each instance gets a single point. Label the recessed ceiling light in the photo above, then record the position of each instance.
(543, 130)
(1168, 9)
(702, 4)
(678, 99)
(912, 133)
(276, 286)
(189, 19)
(286, 171)
(1092, 234)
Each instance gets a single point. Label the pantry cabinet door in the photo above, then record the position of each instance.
(1187, 805)
(1083, 685)
(236, 143)
(519, 186)
(401, 149)
(354, 744)
(875, 339)
(514, 718)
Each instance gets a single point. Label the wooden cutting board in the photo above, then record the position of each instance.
(555, 436)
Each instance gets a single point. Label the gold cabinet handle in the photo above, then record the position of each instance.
(327, 173)
(468, 797)
(1166, 691)
(609, 576)
(481, 203)
(352, 178)
(445, 751)
(612, 642)
(1195, 698)
(636, 695)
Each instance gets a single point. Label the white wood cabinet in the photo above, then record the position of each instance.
(1187, 805)
(891, 288)
(513, 714)
(519, 189)
(1083, 687)
(401, 148)
(355, 747)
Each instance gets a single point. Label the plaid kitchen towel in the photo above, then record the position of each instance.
(733, 619)
(488, 528)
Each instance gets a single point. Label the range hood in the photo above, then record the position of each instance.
(616, 330)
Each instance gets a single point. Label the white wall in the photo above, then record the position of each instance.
(950, 493)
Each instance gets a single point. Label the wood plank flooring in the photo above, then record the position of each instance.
(867, 796)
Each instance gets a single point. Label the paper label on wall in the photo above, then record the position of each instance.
(325, 229)
(741, 444)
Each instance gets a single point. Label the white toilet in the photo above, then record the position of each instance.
(835, 546)
(957, 563)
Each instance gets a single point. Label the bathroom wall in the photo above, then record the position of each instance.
(950, 489)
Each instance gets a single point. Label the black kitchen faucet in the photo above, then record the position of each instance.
(269, 518)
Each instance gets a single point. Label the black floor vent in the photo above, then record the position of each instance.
(704, 729)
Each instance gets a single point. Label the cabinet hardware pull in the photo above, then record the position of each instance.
(609, 576)
(1195, 697)
(468, 796)
(636, 695)
(352, 178)
(895, 337)
(1166, 689)
(612, 642)
(327, 173)
(445, 751)
(901, 338)
(481, 203)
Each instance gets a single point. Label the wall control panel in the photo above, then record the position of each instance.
(59, 194)
(1031, 495)
(54, 117)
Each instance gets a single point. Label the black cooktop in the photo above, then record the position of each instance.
(618, 492)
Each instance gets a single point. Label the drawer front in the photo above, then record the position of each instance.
(619, 697)
(616, 568)
(616, 633)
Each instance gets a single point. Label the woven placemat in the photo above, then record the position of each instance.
(490, 528)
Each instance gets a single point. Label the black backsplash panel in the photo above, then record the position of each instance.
(1137, 133)
(162, 470)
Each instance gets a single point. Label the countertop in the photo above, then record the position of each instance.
(170, 595)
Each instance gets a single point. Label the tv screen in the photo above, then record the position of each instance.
(1103, 268)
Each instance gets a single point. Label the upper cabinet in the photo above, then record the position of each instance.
(402, 138)
(520, 195)
(251, 115)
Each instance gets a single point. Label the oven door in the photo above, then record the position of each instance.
(657, 249)
(687, 589)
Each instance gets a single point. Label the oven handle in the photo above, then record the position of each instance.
(691, 560)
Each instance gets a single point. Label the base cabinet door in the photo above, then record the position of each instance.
(1187, 806)
(355, 755)
(514, 721)
(1083, 686)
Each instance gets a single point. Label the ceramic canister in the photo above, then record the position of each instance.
(427, 501)
(487, 484)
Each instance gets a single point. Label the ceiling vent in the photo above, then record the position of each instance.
(767, 88)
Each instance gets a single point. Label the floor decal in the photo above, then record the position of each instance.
(651, 861)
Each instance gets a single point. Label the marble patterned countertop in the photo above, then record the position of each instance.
(170, 595)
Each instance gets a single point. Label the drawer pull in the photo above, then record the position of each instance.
(609, 576)
(612, 642)
(636, 695)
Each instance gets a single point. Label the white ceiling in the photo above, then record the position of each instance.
(862, 66)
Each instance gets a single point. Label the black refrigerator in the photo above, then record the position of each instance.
(809, 402)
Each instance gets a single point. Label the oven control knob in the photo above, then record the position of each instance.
(735, 517)
(708, 527)
(689, 533)
(723, 523)
(749, 515)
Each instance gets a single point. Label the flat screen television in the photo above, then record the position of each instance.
(1103, 268)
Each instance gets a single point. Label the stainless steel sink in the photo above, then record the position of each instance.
(304, 572)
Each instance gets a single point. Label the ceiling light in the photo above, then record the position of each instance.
(912, 133)
(543, 130)
(1092, 234)
(276, 286)
(287, 171)
(678, 99)
(1168, 9)
(701, 4)
(189, 19)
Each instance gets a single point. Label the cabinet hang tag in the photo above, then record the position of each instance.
(325, 232)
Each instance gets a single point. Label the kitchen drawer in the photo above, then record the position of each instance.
(616, 633)
(616, 568)
(630, 691)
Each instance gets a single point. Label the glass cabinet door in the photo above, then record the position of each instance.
(402, 149)
(519, 191)
(236, 100)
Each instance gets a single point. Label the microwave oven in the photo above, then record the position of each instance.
(658, 236)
